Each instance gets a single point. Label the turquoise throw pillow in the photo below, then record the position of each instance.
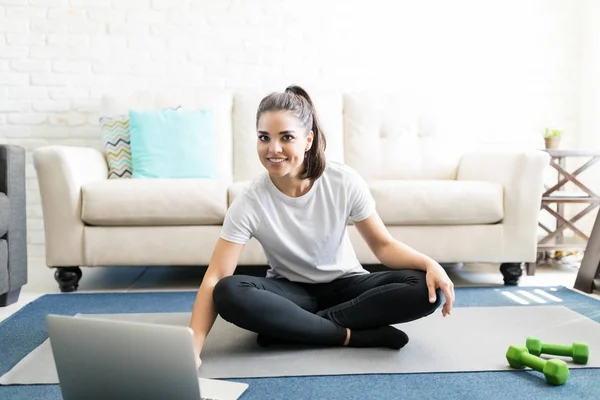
(172, 143)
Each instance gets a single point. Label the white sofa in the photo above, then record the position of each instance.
(452, 202)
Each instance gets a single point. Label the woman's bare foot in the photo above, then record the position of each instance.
(347, 337)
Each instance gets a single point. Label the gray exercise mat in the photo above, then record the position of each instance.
(471, 339)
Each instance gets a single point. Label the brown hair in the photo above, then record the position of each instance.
(296, 99)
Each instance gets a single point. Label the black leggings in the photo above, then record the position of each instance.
(320, 313)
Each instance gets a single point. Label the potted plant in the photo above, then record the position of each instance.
(552, 138)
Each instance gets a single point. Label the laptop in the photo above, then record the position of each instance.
(107, 359)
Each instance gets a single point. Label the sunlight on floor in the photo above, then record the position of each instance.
(527, 295)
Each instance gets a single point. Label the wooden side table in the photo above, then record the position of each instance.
(555, 240)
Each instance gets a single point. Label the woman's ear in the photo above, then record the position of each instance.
(309, 139)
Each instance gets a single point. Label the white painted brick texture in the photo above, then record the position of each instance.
(489, 68)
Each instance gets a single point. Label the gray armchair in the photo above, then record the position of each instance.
(13, 224)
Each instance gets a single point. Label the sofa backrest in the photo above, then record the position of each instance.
(377, 134)
(384, 139)
(220, 101)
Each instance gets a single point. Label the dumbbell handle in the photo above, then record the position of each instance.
(557, 350)
(533, 362)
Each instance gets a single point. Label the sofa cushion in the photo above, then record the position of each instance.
(4, 213)
(427, 202)
(438, 202)
(154, 202)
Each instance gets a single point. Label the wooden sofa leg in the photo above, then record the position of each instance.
(6, 299)
(511, 273)
(67, 278)
(531, 266)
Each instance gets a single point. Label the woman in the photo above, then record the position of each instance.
(316, 291)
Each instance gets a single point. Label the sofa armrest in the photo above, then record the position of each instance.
(12, 183)
(521, 173)
(61, 172)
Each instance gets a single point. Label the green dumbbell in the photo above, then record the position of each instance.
(556, 371)
(578, 351)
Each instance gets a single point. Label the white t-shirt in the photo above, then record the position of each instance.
(305, 238)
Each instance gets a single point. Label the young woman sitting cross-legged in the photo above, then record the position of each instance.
(316, 291)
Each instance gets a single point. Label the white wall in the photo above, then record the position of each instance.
(589, 133)
(502, 68)
(589, 106)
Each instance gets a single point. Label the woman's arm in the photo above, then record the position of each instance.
(223, 263)
(390, 252)
(396, 255)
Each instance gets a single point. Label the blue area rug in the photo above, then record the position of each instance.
(25, 330)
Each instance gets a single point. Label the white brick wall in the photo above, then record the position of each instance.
(589, 104)
(495, 68)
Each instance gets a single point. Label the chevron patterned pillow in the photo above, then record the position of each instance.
(117, 146)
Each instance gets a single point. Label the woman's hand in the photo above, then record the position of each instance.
(437, 277)
(197, 355)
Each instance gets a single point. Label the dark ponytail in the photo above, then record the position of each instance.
(296, 99)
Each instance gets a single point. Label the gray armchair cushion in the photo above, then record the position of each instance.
(3, 263)
(4, 214)
(13, 273)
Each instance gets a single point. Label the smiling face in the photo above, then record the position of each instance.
(281, 144)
